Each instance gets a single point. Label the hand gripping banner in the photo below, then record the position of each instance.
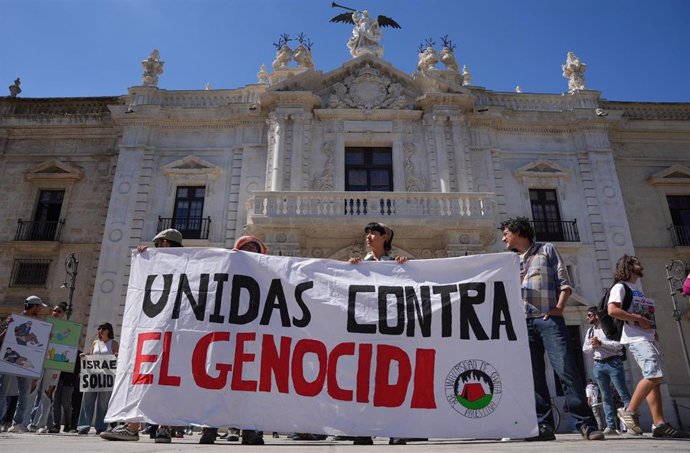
(428, 348)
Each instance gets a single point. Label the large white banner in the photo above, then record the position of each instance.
(430, 348)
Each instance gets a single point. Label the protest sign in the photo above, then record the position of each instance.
(24, 346)
(97, 372)
(63, 346)
(430, 348)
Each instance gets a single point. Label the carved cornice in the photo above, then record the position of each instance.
(538, 102)
(95, 107)
(357, 114)
(305, 99)
(201, 99)
(431, 101)
(664, 111)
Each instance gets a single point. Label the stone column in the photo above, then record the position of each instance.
(296, 173)
(277, 128)
(463, 169)
(107, 303)
(441, 152)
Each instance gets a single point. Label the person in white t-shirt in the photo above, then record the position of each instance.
(640, 337)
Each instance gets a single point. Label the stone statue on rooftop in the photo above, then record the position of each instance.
(448, 54)
(366, 33)
(14, 88)
(466, 76)
(153, 67)
(574, 71)
(284, 53)
(428, 57)
(302, 53)
(262, 75)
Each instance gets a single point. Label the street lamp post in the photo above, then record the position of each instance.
(675, 274)
(71, 267)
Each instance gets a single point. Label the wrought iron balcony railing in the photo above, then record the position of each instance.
(556, 231)
(31, 230)
(680, 235)
(190, 227)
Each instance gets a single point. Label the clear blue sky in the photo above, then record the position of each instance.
(634, 50)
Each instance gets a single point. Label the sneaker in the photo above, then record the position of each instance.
(397, 441)
(83, 431)
(669, 432)
(363, 441)
(631, 420)
(208, 436)
(591, 433)
(121, 432)
(233, 438)
(17, 429)
(545, 434)
(42, 431)
(611, 432)
(163, 435)
(53, 430)
(73, 431)
(252, 439)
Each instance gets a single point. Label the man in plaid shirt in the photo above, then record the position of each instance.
(545, 291)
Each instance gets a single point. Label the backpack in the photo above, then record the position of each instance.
(612, 327)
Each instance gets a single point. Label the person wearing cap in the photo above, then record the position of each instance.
(608, 368)
(43, 401)
(32, 308)
(104, 344)
(166, 238)
(129, 431)
(379, 241)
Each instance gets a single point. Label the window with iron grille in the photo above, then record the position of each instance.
(679, 206)
(29, 273)
(546, 215)
(189, 208)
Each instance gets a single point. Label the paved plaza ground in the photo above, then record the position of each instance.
(72, 443)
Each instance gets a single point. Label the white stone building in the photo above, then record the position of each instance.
(305, 158)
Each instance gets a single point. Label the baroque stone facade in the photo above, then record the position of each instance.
(271, 159)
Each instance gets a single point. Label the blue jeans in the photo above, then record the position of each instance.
(99, 402)
(607, 373)
(24, 387)
(551, 336)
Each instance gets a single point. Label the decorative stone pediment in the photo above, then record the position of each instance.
(366, 83)
(677, 174)
(368, 88)
(542, 169)
(54, 170)
(192, 166)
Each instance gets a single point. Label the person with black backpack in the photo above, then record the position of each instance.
(608, 367)
(640, 336)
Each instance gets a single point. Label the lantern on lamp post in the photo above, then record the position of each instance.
(71, 267)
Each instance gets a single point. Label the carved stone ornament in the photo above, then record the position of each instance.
(367, 89)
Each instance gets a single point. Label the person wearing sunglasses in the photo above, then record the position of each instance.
(608, 368)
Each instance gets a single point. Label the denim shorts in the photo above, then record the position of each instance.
(648, 357)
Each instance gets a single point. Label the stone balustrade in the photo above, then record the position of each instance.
(399, 207)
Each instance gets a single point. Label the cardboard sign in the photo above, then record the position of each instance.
(24, 347)
(97, 373)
